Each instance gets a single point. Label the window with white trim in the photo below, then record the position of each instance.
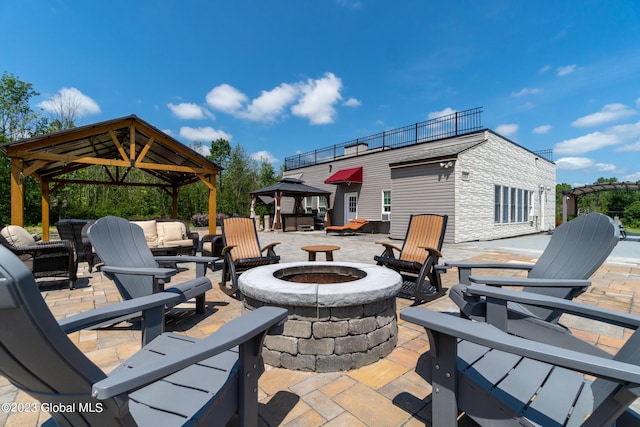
(511, 205)
(308, 204)
(386, 205)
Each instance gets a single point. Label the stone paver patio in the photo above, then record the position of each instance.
(386, 393)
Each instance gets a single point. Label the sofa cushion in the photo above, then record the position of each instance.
(18, 236)
(171, 231)
(149, 228)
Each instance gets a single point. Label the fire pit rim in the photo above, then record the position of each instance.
(379, 283)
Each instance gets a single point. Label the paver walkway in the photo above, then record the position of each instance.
(386, 393)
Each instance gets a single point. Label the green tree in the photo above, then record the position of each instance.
(238, 179)
(560, 188)
(17, 121)
(632, 215)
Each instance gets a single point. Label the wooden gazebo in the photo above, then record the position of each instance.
(124, 143)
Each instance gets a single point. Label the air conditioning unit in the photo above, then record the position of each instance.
(386, 216)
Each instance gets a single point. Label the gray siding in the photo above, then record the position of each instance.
(421, 189)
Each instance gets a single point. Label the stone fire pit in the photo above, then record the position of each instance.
(341, 315)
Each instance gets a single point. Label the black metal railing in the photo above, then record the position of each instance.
(545, 154)
(448, 126)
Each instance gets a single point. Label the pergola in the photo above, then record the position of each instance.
(570, 198)
(123, 143)
(287, 187)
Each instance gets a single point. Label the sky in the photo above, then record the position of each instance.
(281, 78)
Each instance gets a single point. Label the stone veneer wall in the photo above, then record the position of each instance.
(332, 339)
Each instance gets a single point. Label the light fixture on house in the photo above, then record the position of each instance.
(446, 165)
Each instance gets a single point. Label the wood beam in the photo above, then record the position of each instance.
(49, 140)
(132, 143)
(207, 181)
(115, 141)
(212, 204)
(174, 202)
(17, 193)
(34, 167)
(71, 159)
(44, 190)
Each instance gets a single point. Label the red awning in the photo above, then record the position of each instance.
(346, 175)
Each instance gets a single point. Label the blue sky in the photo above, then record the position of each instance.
(284, 77)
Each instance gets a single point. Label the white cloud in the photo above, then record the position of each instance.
(630, 147)
(634, 177)
(573, 163)
(566, 70)
(527, 91)
(318, 99)
(609, 113)
(69, 98)
(352, 102)
(585, 143)
(542, 129)
(437, 114)
(527, 106)
(313, 99)
(545, 69)
(226, 98)
(203, 134)
(627, 131)
(270, 104)
(507, 129)
(264, 155)
(605, 167)
(187, 110)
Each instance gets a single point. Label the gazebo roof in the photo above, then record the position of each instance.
(290, 187)
(121, 144)
(126, 142)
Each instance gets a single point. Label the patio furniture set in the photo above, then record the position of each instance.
(504, 360)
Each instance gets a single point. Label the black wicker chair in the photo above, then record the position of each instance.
(71, 229)
(44, 259)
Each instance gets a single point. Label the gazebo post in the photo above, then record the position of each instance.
(253, 207)
(277, 225)
(44, 190)
(213, 215)
(17, 193)
(327, 217)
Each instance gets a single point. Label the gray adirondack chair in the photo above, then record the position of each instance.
(128, 261)
(417, 260)
(499, 379)
(172, 381)
(575, 251)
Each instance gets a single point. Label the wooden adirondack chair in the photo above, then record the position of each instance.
(128, 261)
(499, 379)
(576, 250)
(172, 381)
(242, 251)
(418, 257)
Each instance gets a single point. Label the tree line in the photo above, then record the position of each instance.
(18, 120)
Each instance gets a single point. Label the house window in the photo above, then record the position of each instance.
(322, 205)
(511, 205)
(386, 205)
(308, 204)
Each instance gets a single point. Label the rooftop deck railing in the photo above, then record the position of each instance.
(455, 124)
